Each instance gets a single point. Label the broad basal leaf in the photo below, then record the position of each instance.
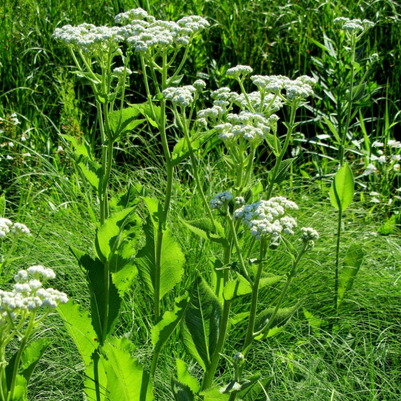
(31, 355)
(79, 326)
(101, 305)
(127, 381)
(201, 323)
(352, 263)
(342, 188)
(214, 394)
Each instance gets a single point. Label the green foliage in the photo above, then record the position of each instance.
(172, 258)
(351, 264)
(342, 188)
(201, 323)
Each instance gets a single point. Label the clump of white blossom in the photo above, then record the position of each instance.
(248, 126)
(268, 218)
(353, 25)
(15, 229)
(309, 235)
(182, 96)
(239, 71)
(220, 200)
(140, 30)
(28, 294)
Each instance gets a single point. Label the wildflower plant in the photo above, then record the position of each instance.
(242, 122)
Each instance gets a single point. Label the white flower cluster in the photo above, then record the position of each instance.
(309, 234)
(239, 71)
(268, 218)
(252, 127)
(353, 25)
(28, 294)
(182, 96)
(16, 229)
(213, 114)
(143, 32)
(119, 71)
(90, 38)
(220, 200)
(199, 85)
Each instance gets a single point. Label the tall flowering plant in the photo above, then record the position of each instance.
(242, 122)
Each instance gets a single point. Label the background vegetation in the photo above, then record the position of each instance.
(362, 359)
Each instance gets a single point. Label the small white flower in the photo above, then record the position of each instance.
(239, 71)
(377, 144)
(19, 229)
(393, 143)
(370, 169)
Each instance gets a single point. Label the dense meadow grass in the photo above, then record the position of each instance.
(63, 176)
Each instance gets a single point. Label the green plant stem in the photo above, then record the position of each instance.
(211, 370)
(254, 300)
(18, 356)
(284, 291)
(343, 134)
(194, 164)
(279, 158)
(337, 259)
(169, 171)
(3, 364)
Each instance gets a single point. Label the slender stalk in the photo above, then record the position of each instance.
(194, 164)
(283, 150)
(211, 370)
(18, 356)
(337, 259)
(254, 301)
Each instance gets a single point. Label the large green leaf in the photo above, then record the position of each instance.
(91, 170)
(351, 264)
(127, 381)
(214, 394)
(201, 323)
(111, 233)
(125, 120)
(277, 326)
(31, 355)
(96, 383)
(342, 188)
(104, 301)
(282, 172)
(79, 326)
(186, 386)
(204, 228)
(172, 258)
(241, 286)
(165, 327)
(185, 377)
(314, 322)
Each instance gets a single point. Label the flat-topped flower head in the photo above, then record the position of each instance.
(239, 71)
(353, 25)
(133, 15)
(90, 38)
(268, 219)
